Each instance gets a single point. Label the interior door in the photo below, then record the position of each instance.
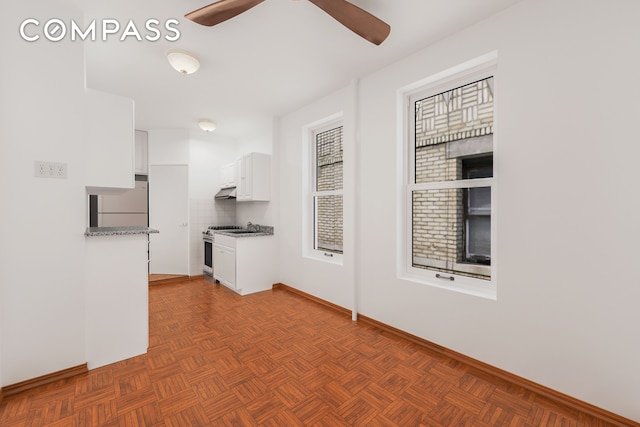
(169, 213)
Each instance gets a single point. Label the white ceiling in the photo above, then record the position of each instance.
(266, 62)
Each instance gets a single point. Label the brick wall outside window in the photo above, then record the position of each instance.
(464, 112)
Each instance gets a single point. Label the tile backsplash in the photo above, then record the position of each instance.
(224, 212)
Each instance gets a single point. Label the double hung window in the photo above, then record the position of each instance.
(450, 184)
(327, 191)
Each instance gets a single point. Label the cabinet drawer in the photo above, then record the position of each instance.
(224, 240)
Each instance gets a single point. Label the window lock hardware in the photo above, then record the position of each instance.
(440, 276)
(328, 254)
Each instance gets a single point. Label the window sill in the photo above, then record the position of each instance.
(321, 256)
(461, 284)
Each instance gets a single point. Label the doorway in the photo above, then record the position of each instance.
(169, 214)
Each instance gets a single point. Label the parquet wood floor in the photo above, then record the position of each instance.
(277, 359)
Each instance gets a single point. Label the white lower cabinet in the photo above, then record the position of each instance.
(244, 264)
(224, 262)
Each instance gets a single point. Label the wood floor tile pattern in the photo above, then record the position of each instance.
(277, 359)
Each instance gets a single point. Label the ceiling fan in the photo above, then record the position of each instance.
(351, 16)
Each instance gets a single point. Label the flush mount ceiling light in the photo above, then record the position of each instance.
(207, 125)
(183, 62)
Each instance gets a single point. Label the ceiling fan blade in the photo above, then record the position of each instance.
(220, 11)
(357, 20)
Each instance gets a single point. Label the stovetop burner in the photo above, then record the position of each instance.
(209, 231)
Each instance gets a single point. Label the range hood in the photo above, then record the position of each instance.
(226, 193)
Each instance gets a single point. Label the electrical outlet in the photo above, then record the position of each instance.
(50, 170)
(40, 169)
(60, 170)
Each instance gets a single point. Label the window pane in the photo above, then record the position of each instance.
(452, 126)
(477, 167)
(445, 237)
(437, 230)
(479, 238)
(328, 223)
(329, 160)
(479, 201)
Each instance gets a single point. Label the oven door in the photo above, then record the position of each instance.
(208, 255)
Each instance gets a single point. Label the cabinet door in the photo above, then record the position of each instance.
(218, 261)
(248, 177)
(228, 176)
(224, 265)
(260, 177)
(241, 181)
(254, 177)
(229, 264)
(141, 155)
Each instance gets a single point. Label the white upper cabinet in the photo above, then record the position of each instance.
(253, 177)
(110, 142)
(228, 176)
(142, 153)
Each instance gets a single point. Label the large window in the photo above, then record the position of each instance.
(327, 189)
(450, 184)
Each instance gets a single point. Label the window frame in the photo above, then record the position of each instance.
(309, 153)
(474, 70)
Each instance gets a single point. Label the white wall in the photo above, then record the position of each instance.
(330, 282)
(567, 313)
(208, 153)
(259, 141)
(259, 212)
(42, 220)
(168, 147)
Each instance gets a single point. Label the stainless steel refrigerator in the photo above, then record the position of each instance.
(128, 208)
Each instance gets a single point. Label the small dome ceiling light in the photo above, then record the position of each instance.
(207, 125)
(183, 62)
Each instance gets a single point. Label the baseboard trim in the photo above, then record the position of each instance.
(16, 388)
(320, 301)
(553, 395)
(172, 280)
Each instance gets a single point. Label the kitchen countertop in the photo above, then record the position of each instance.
(119, 231)
(264, 231)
